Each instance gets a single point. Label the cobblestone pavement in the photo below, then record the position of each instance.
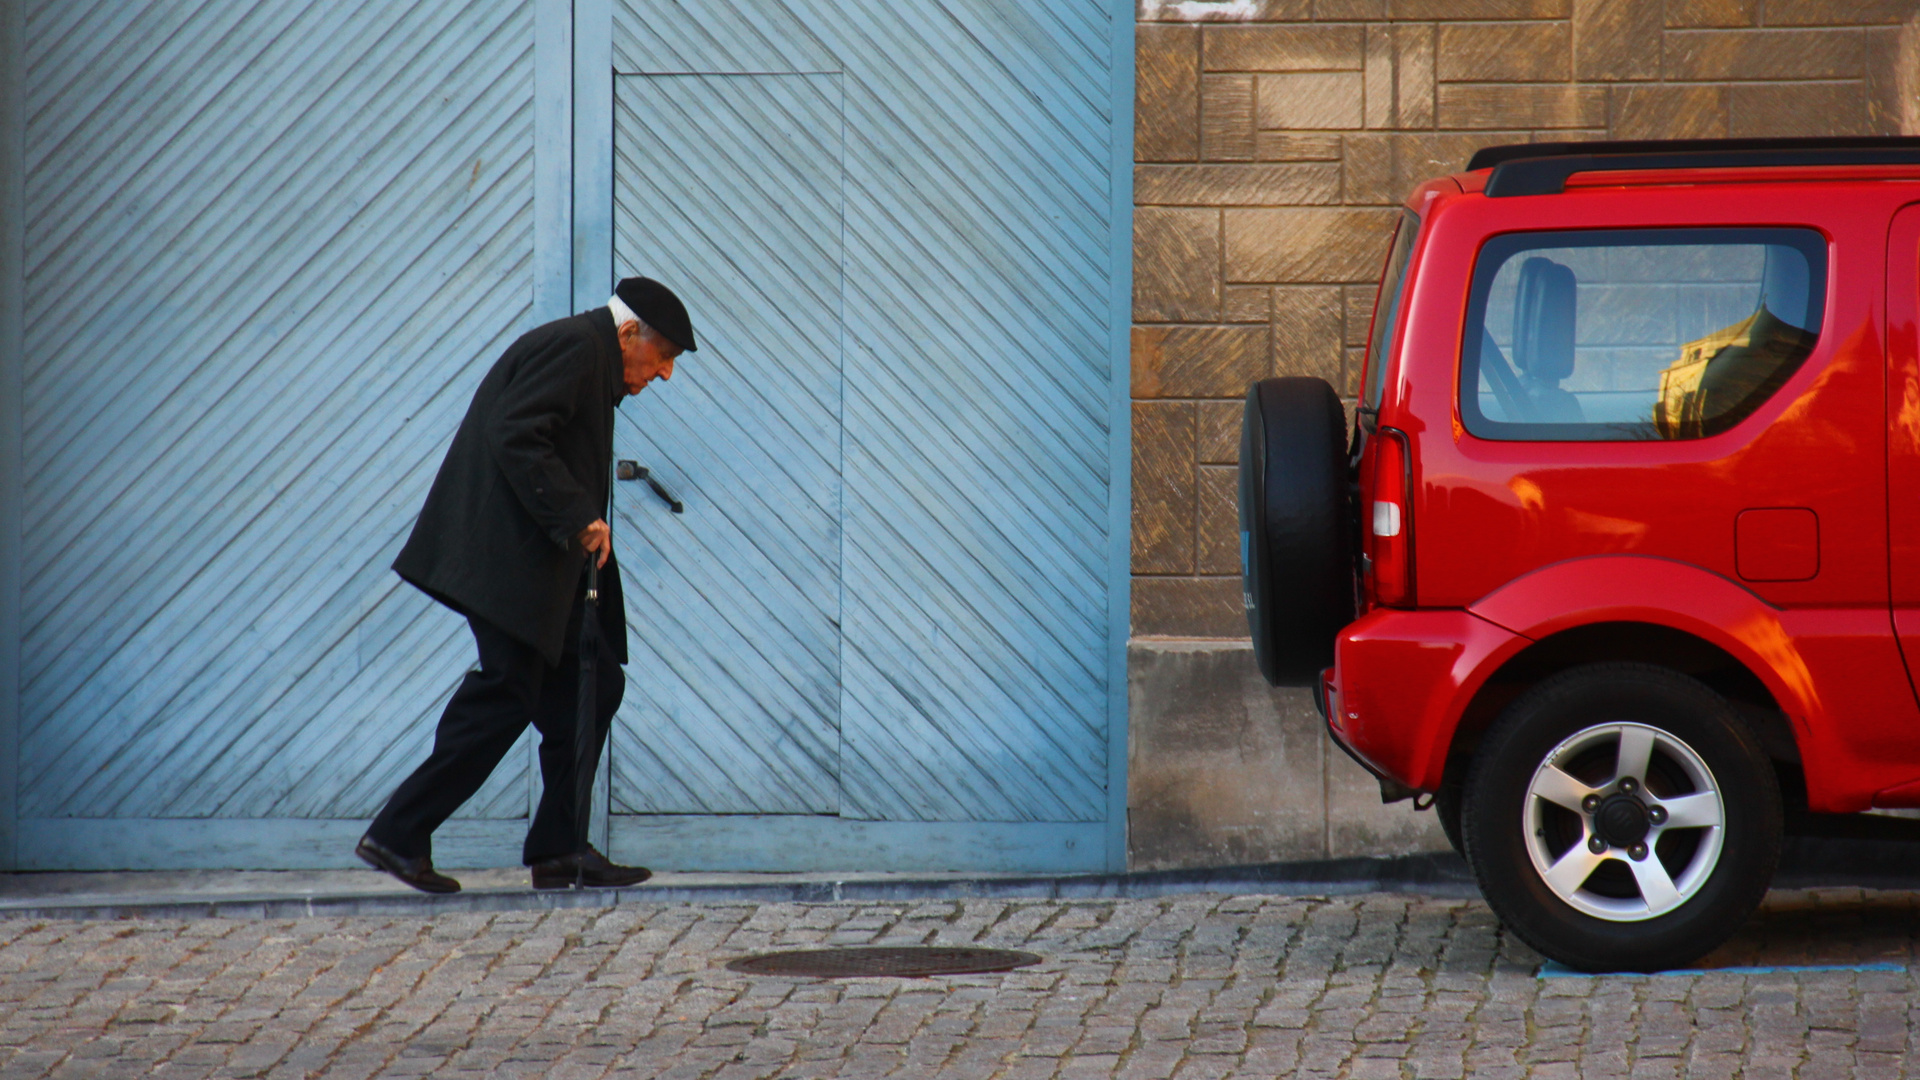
(1196, 987)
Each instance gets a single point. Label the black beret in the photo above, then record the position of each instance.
(659, 308)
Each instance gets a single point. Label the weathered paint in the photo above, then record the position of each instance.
(1119, 426)
(553, 231)
(729, 187)
(778, 842)
(11, 422)
(981, 326)
(314, 224)
(818, 842)
(217, 666)
(552, 159)
(592, 154)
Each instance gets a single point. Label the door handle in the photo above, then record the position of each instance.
(633, 470)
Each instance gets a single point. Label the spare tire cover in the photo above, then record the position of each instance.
(1296, 556)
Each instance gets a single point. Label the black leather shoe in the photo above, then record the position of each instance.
(593, 870)
(418, 872)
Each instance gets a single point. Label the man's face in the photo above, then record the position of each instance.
(644, 357)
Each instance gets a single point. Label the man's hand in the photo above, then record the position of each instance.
(597, 538)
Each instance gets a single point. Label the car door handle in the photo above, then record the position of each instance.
(633, 470)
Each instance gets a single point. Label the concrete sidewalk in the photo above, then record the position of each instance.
(1806, 863)
(303, 893)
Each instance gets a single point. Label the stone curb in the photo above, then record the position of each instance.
(1430, 874)
(1825, 862)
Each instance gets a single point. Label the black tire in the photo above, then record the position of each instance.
(1446, 807)
(1507, 826)
(1295, 527)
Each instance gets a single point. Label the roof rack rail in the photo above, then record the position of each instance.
(1543, 168)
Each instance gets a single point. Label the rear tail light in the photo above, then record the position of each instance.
(1388, 520)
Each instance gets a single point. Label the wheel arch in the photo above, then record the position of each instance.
(1627, 642)
(1646, 610)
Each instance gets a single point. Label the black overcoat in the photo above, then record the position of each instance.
(528, 469)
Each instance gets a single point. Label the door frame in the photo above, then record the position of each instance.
(12, 417)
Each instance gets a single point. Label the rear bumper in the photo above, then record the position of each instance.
(1401, 681)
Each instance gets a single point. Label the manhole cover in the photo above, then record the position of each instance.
(871, 960)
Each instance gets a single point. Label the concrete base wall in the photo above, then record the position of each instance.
(1224, 769)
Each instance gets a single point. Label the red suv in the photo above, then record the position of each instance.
(1619, 564)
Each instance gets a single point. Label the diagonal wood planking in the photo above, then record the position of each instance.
(977, 381)
(728, 187)
(271, 247)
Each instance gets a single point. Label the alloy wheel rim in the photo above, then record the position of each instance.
(1624, 812)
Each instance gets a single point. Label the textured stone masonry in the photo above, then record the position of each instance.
(1274, 137)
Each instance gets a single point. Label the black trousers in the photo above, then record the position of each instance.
(512, 688)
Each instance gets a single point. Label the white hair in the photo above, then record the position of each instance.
(622, 315)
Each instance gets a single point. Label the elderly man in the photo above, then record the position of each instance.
(518, 507)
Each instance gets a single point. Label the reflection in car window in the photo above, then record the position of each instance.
(1387, 307)
(1636, 334)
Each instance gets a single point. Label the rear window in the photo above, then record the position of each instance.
(1636, 334)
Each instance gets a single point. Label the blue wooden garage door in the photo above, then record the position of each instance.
(271, 246)
(270, 249)
(730, 185)
(884, 632)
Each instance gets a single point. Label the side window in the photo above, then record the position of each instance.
(1636, 334)
(1386, 307)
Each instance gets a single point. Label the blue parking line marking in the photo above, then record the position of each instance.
(1553, 969)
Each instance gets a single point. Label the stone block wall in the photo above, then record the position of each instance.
(1273, 138)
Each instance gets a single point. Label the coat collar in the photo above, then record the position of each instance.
(607, 336)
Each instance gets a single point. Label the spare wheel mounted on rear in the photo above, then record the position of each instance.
(1296, 524)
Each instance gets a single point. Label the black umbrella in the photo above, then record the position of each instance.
(586, 730)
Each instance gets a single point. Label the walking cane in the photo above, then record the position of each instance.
(586, 729)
